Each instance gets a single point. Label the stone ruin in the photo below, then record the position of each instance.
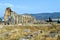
(11, 17)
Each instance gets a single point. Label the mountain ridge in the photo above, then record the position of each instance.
(44, 16)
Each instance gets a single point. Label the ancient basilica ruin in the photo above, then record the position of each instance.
(11, 17)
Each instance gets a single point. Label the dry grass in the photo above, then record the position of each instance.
(16, 32)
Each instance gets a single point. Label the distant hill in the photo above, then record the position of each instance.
(44, 16)
(2, 18)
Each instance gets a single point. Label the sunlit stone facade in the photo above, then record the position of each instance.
(13, 18)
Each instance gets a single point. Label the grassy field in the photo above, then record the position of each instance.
(30, 32)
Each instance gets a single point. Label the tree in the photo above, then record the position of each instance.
(50, 20)
(58, 21)
(0, 19)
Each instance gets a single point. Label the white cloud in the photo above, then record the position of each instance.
(3, 6)
(17, 6)
(6, 5)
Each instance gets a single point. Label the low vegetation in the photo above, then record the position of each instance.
(30, 32)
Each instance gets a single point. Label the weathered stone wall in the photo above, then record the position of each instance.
(7, 14)
(13, 18)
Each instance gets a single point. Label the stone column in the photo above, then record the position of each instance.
(17, 19)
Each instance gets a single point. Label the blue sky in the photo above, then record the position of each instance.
(30, 6)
